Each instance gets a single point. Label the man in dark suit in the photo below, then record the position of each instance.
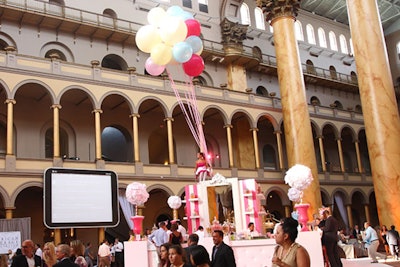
(28, 258)
(222, 254)
(330, 239)
(62, 254)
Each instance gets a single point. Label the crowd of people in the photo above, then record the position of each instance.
(169, 241)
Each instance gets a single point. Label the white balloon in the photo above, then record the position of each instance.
(147, 37)
(173, 30)
(156, 15)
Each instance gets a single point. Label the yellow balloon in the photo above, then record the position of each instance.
(156, 15)
(147, 37)
(161, 54)
(173, 30)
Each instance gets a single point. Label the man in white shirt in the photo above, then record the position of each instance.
(251, 231)
(119, 255)
(104, 254)
(200, 233)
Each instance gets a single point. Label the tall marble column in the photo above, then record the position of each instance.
(322, 152)
(280, 150)
(56, 130)
(229, 139)
(340, 152)
(359, 164)
(10, 122)
(135, 129)
(296, 119)
(170, 140)
(97, 127)
(380, 111)
(256, 150)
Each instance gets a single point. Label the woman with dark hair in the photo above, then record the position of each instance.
(164, 259)
(288, 253)
(199, 256)
(177, 257)
(175, 237)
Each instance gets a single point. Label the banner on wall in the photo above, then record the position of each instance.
(9, 240)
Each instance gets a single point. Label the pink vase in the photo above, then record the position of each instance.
(302, 209)
(137, 224)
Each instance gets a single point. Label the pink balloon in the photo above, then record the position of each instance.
(194, 66)
(193, 27)
(152, 68)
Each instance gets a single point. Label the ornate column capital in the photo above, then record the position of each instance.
(228, 126)
(58, 106)
(279, 8)
(100, 111)
(169, 119)
(233, 35)
(8, 101)
(134, 115)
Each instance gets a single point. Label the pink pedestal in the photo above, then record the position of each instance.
(303, 215)
(137, 224)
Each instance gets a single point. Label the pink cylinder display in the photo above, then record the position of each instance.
(137, 224)
(302, 210)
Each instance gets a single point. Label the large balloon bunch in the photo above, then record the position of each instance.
(171, 37)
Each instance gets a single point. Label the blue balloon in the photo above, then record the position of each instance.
(182, 52)
(195, 42)
(295, 215)
(186, 15)
(175, 11)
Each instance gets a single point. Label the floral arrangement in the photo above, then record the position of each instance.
(174, 202)
(136, 194)
(298, 177)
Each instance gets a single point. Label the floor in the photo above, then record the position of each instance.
(366, 262)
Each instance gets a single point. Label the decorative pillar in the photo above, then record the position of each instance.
(256, 151)
(287, 211)
(296, 118)
(367, 215)
(359, 164)
(9, 212)
(381, 114)
(97, 113)
(349, 215)
(229, 139)
(57, 236)
(102, 234)
(322, 152)
(10, 122)
(340, 151)
(170, 140)
(280, 150)
(136, 153)
(56, 130)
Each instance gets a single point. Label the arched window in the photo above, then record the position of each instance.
(110, 13)
(49, 144)
(310, 34)
(310, 67)
(353, 76)
(116, 145)
(338, 104)
(299, 30)
(333, 41)
(260, 21)
(261, 91)
(114, 62)
(269, 156)
(343, 44)
(3, 141)
(358, 109)
(245, 14)
(315, 101)
(322, 38)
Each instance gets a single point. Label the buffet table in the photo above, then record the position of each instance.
(248, 253)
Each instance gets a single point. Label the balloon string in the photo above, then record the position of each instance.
(191, 113)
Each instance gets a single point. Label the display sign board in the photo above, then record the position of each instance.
(76, 198)
(9, 240)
